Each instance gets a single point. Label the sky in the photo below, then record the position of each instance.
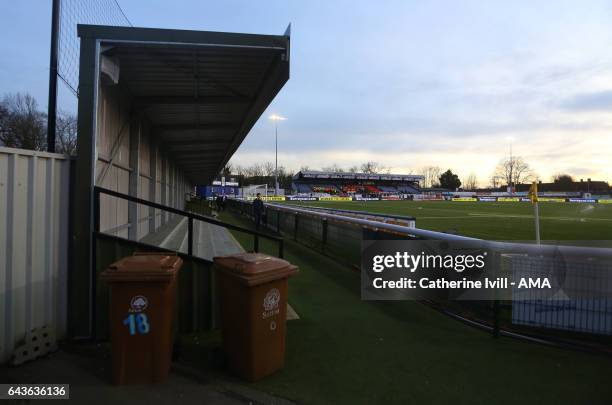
(407, 84)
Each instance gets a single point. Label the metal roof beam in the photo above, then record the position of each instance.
(196, 142)
(196, 127)
(196, 148)
(191, 100)
(196, 156)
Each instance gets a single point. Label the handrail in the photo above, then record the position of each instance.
(368, 213)
(501, 247)
(190, 215)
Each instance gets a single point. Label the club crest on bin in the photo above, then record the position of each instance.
(271, 300)
(139, 303)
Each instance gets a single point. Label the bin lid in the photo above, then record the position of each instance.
(255, 268)
(149, 266)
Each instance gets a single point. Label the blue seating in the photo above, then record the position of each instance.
(302, 188)
(409, 189)
(388, 189)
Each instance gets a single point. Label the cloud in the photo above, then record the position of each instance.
(593, 101)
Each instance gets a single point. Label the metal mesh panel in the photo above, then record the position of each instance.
(272, 218)
(590, 309)
(287, 224)
(310, 231)
(73, 12)
(344, 242)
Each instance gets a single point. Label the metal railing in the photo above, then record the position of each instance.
(388, 218)
(339, 236)
(98, 191)
(500, 247)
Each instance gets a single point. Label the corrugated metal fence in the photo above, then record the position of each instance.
(34, 200)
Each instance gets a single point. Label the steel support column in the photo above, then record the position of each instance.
(81, 275)
(134, 159)
(153, 150)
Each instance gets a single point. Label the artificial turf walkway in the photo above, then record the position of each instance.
(344, 350)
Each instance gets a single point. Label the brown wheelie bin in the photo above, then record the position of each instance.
(253, 295)
(142, 307)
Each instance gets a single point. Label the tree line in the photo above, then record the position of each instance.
(23, 125)
(509, 171)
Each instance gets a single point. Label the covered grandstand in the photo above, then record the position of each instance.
(354, 184)
(160, 111)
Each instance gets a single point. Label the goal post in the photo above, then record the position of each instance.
(252, 190)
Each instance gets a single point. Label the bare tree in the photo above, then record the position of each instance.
(238, 170)
(514, 170)
(471, 182)
(304, 168)
(227, 170)
(495, 181)
(372, 167)
(23, 125)
(257, 170)
(431, 176)
(248, 171)
(333, 168)
(353, 169)
(4, 122)
(268, 169)
(66, 131)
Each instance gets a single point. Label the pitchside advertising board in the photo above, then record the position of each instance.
(540, 199)
(335, 198)
(550, 199)
(268, 198)
(465, 199)
(430, 198)
(300, 198)
(582, 200)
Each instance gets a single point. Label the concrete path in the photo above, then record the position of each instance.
(212, 240)
(208, 240)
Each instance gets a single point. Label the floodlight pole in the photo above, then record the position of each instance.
(276, 157)
(52, 106)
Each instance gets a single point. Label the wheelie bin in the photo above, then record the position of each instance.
(142, 308)
(253, 301)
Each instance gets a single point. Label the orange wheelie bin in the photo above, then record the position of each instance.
(142, 308)
(253, 300)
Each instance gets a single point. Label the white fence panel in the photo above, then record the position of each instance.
(34, 197)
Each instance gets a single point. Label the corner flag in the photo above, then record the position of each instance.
(533, 196)
(533, 192)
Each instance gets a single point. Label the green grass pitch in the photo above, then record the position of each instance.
(496, 220)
